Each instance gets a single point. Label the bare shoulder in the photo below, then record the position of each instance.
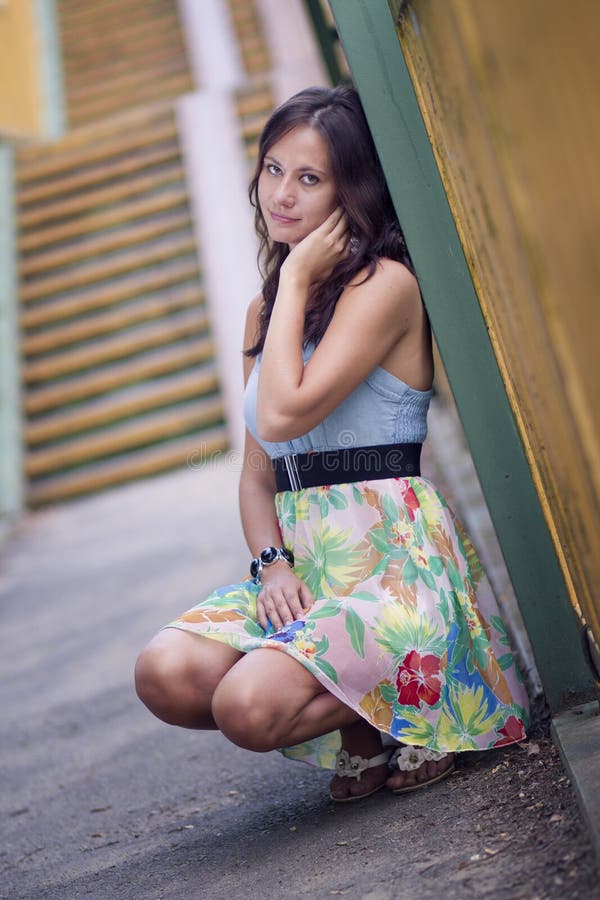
(392, 285)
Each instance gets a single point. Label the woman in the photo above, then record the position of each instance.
(358, 641)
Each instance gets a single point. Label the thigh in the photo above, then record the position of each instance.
(271, 678)
(269, 700)
(187, 656)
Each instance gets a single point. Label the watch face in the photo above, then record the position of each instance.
(268, 555)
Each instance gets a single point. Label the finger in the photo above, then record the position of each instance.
(340, 222)
(284, 611)
(333, 219)
(261, 614)
(306, 596)
(294, 604)
(272, 608)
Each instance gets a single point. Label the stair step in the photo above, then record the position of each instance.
(130, 33)
(78, 12)
(99, 352)
(131, 78)
(112, 217)
(142, 430)
(127, 288)
(137, 464)
(109, 137)
(110, 267)
(186, 296)
(112, 69)
(90, 200)
(252, 126)
(101, 171)
(144, 55)
(165, 361)
(106, 242)
(169, 86)
(249, 104)
(123, 404)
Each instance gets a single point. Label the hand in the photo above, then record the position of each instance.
(315, 257)
(283, 598)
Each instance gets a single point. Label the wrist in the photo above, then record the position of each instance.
(293, 277)
(269, 557)
(279, 566)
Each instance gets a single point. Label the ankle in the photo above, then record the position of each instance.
(361, 738)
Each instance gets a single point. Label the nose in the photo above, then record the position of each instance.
(285, 194)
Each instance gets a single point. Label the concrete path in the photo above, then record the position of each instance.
(100, 799)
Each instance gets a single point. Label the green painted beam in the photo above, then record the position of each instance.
(11, 464)
(326, 38)
(368, 35)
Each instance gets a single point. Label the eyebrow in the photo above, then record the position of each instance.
(301, 168)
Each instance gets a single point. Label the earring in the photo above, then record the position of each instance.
(354, 244)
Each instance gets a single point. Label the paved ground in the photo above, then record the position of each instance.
(99, 799)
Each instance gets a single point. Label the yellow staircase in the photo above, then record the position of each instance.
(118, 360)
(118, 54)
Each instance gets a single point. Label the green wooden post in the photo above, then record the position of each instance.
(326, 38)
(11, 467)
(368, 35)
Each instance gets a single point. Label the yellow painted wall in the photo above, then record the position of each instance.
(509, 93)
(20, 68)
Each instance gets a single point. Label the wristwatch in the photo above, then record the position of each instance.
(267, 557)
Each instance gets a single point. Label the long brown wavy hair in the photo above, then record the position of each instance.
(338, 116)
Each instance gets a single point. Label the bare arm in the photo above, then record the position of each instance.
(283, 597)
(370, 317)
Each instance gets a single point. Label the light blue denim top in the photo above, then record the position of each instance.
(381, 410)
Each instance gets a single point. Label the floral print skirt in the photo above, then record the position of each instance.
(404, 629)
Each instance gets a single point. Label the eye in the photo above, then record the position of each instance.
(309, 178)
(272, 169)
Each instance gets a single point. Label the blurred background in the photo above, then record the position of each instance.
(128, 132)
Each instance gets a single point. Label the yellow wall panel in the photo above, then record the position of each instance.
(20, 67)
(509, 93)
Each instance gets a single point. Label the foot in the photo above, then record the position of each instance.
(428, 771)
(360, 739)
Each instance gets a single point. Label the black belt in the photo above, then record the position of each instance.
(347, 464)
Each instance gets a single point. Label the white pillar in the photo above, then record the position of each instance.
(217, 181)
(211, 44)
(295, 56)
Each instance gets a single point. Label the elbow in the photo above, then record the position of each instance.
(275, 427)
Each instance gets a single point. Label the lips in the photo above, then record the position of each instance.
(282, 220)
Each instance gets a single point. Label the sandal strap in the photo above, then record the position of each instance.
(408, 758)
(353, 766)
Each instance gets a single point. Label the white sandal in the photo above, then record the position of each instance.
(409, 758)
(347, 766)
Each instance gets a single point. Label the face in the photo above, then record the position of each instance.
(296, 191)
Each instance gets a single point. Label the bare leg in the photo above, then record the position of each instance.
(177, 673)
(269, 700)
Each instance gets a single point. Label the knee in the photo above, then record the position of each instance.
(156, 671)
(245, 716)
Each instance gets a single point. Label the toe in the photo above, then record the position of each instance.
(339, 788)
